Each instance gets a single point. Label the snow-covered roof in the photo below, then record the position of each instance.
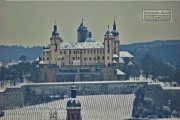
(38, 58)
(119, 72)
(113, 61)
(81, 45)
(130, 64)
(121, 60)
(45, 50)
(125, 54)
(41, 62)
(115, 56)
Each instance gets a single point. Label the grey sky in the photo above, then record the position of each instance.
(31, 23)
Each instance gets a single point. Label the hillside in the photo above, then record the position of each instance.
(9, 53)
(167, 50)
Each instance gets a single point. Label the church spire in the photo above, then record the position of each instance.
(114, 25)
(73, 90)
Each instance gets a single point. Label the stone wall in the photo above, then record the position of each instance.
(12, 98)
(30, 95)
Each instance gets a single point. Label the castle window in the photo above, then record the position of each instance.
(73, 58)
(108, 57)
(94, 58)
(60, 52)
(78, 58)
(87, 51)
(91, 51)
(100, 51)
(84, 59)
(47, 53)
(43, 58)
(94, 51)
(114, 52)
(81, 52)
(47, 58)
(62, 58)
(84, 51)
(90, 59)
(78, 52)
(74, 52)
(98, 58)
(102, 57)
(43, 53)
(64, 52)
(69, 52)
(97, 51)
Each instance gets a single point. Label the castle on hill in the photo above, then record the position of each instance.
(86, 59)
(86, 51)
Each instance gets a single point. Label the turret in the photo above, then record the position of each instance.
(82, 32)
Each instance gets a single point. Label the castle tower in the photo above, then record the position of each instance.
(55, 41)
(82, 32)
(108, 47)
(73, 106)
(115, 46)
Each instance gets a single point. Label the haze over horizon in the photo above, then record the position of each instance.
(31, 23)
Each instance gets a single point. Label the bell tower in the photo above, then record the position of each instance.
(108, 47)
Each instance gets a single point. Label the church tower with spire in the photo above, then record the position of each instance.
(73, 106)
(108, 47)
(82, 32)
(114, 31)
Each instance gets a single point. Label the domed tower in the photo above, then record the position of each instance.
(73, 106)
(55, 41)
(82, 32)
(89, 39)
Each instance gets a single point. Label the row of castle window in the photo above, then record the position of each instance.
(85, 52)
(73, 58)
(86, 63)
(88, 51)
(98, 58)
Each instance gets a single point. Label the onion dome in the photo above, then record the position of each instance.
(73, 103)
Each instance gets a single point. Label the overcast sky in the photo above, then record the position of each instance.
(31, 23)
